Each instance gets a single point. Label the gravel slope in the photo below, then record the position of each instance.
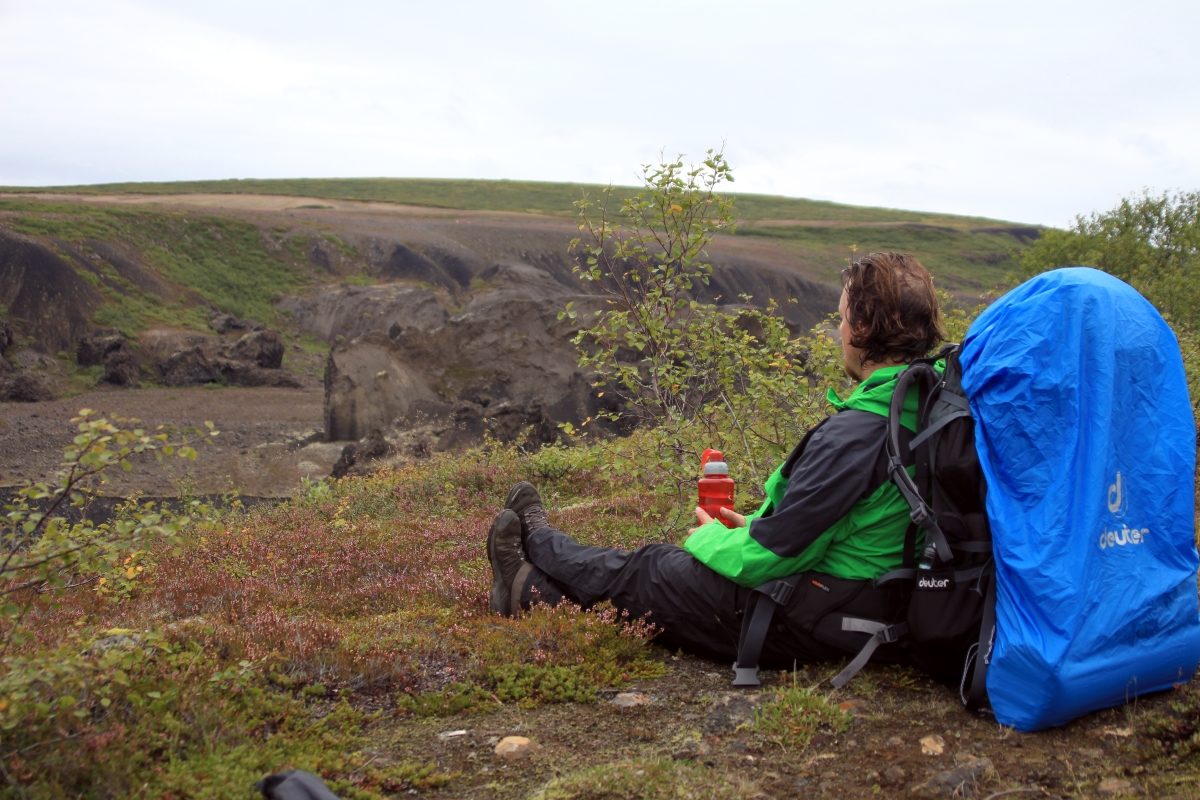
(269, 438)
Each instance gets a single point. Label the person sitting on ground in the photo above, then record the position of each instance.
(831, 511)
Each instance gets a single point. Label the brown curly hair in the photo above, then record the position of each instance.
(892, 307)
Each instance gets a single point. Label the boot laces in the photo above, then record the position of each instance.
(534, 517)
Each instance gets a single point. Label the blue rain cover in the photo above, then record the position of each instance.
(1087, 441)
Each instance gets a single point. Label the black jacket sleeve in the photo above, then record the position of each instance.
(838, 464)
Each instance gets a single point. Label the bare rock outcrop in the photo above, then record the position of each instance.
(184, 358)
(262, 347)
(369, 384)
(190, 365)
(109, 348)
(26, 376)
(6, 341)
(350, 312)
(96, 345)
(358, 457)
(53, 301)
(121, 368)
(23, 386)
(427, 369)
(503, 365)
(223, 323)
(246, 373)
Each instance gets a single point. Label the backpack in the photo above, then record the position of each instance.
(1086, 437)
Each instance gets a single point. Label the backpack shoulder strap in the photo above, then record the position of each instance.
(950, 402)
(959, 408)
(922, 376)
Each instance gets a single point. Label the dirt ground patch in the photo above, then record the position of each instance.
(270, 438)
(243, 202)
(907, 737)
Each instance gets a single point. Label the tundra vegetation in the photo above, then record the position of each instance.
(223, 263)
(346, 632)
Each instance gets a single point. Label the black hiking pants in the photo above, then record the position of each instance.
(695, 609)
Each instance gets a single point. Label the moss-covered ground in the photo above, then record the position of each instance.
(346, 633)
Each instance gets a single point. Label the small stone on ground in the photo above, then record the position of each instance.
(515, 747)
(631, 699)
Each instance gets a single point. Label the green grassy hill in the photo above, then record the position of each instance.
(199, 260)
(216, 258)
(501, 195)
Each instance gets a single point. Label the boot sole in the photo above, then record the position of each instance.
(499, 600)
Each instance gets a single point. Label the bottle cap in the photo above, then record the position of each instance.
(716, 468)
(710, 455)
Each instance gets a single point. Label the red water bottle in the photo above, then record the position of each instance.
(716, 488)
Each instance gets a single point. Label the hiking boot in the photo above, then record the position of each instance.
(525, 501)
(510, 570)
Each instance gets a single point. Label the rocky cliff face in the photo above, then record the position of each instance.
(456, 334)
(457, 344)
(50, 291)
(438, 378)
(53, 302)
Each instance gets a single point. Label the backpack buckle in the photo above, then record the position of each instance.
(745, 676)
(779, 591)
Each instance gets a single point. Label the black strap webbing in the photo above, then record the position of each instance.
(976, 546)
(901, 574)
(975, 698)
(756, 623)
(950, 399)
(925, 379)
(881, 633)
(908, 573)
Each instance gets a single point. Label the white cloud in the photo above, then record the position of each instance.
(1029, 111)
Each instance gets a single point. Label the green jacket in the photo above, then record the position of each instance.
(830, 508)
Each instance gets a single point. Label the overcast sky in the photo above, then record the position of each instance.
(1024, 111)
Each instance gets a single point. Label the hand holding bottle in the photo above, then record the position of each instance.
(731, 518)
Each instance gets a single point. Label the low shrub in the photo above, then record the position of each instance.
(792, 715)
(131, 713)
